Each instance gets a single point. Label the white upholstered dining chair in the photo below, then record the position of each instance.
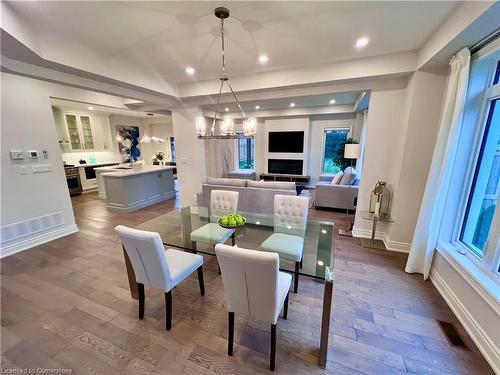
(290, 221)
(222, 202)
(254, 287)
(156, 267)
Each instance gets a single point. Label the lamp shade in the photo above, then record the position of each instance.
(351, 151)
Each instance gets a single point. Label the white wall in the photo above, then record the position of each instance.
(190, 154)
(28, 123)
(288, 124)
(401, 133)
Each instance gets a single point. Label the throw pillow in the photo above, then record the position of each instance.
(350, 175)
(336, 179)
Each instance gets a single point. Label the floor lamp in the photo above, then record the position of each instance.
(351, 151)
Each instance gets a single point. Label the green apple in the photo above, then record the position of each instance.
(231, 223)
(223, 221)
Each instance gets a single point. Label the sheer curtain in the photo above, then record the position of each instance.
(438, 181)
(359, 162)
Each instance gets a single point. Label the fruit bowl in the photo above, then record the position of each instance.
(231, 221)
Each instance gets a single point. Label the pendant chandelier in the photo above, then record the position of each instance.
(226, 126)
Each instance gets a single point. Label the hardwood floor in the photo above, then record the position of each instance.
(66, 304)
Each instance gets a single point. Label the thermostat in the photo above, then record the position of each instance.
(33, 154)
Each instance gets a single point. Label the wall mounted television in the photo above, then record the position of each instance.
(289, 142)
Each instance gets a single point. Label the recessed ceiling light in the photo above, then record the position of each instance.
(362, 42)
(190, 70)
(257, 107)
(263, 59)
(226, 109)
(292, 104)
(90, 108)
(332, 101)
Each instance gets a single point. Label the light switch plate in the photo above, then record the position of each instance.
(32, 154)
(17, 155)
(24, 169)
(41, 168)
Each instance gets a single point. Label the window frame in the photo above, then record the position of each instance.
(323, 144)
(489, 262)
(237, 146)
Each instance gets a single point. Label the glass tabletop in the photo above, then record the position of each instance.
(176, 228)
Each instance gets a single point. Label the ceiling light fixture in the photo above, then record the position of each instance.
(263, 59)
(226, 109)
(332, 101)
(292, 104)
(90, 108)
(257, 107)
(226, 128)
(362, 42)
(190, 70)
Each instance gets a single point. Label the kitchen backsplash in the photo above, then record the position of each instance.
(100, 157)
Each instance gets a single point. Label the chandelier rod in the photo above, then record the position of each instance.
(218, 102)
(223, 46)
(236, 99)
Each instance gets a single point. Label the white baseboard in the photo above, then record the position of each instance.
(400, 247)
(36, 240)
(480, 338)
(119, 207)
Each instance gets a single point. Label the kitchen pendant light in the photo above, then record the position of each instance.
(226, 125)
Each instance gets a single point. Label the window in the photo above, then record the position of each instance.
(333, 140)
(477, 231)
(485, 186)
(245, 153)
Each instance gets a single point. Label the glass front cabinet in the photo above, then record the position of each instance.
(80, 131)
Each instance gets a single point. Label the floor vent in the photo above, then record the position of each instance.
(452, 334)
(29, 227)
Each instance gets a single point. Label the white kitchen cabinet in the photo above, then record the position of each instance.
(87, 132)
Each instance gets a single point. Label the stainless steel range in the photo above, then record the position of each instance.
(73, 180)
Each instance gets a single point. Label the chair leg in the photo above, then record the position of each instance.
(301, 261)
(194, 247)
(230, 334)
(296, 278)
(140, 288)
(168, 309)
(200, 280)
(285, 307)
(273, 347)
(233, 238)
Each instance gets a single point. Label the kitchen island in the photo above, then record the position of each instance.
(128, 188)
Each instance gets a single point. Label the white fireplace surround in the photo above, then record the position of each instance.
(287, 125)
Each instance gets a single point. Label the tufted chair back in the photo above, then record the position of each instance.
(290, 214)
(147, 255)
(223, 202)
(250, 280)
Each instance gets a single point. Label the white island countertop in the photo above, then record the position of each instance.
(124, 171)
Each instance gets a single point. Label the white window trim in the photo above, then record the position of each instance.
(323, 141)
(480, 272)
(237, 155)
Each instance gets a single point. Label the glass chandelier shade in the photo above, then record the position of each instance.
(250, 126)
(201, 127)
(226, 126)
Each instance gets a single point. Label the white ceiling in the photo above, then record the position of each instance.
(159, 39)
(308, 101)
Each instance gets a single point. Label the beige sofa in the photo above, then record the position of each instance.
(335, 196)
(254, 196)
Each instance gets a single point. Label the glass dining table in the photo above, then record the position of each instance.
(175, 228)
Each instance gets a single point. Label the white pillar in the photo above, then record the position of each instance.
(190, 154)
